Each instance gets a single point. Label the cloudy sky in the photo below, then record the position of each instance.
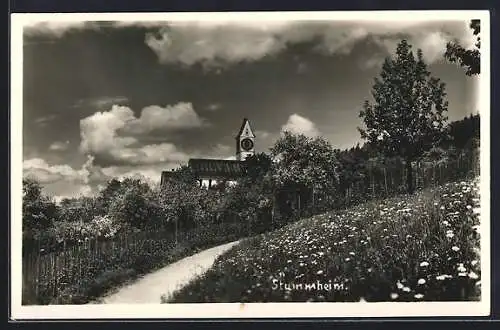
(106, 99)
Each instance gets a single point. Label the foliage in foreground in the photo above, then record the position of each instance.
(469, 59)
(411, 248)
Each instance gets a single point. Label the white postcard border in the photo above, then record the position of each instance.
(249, 310)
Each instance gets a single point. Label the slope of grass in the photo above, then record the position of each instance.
(416, 247)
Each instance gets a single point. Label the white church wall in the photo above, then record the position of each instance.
(205, 183)
(242, 155)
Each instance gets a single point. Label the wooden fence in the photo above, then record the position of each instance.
(380, 181)
(46, 276)
(384, 181)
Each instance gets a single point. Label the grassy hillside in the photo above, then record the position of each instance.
(407, 248)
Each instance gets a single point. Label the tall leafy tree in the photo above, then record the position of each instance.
(39, 211)
(305, 163)
(257, 166)
(131, 205)
(302, 160)
(470, 59)
(407, 116)
(106, 195)
(184, 204)
(251, 198)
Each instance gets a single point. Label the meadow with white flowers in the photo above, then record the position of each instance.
(419, 247)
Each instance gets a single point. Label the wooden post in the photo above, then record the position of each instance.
(273, 210)
(417, 167)
(370, 178)
(385, 180)
(176, 225)
(439, 179)
(298, 202)
(433, 174)
(54, 273)
(391, 180)
(351, 189)
(403, 177)
(38, 270)
(416, 175)
(346, 197)
(312, 202)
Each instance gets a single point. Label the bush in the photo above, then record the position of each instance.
(132, 206)
(302, 163)
(39, 212)
(82, 209)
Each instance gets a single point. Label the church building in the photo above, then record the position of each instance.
(210, 172)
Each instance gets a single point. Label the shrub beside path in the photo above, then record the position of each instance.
(151, 287)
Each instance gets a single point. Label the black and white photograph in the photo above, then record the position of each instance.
(214, 165)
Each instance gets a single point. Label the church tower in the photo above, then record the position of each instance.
(245, 141)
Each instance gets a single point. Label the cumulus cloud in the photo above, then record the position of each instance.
(152, 154)
(431, 38)
(99, 131)
(302, 68)
(39, 169)
(62, 180)
(46, 173)
(262, 134)
(214, 106)
(219, 151)
(192, 43)
(44, 120)
(56, 28)
(178, 116)
(432, 44)
(300, 125)
(219, 43)
(149, 173)
(112, 134)
(59, 146)
(101, 102)
(93, 175)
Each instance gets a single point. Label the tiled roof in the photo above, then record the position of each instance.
(217, 168)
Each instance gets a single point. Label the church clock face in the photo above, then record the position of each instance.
(246, 144)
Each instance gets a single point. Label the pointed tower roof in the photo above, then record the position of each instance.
(245, 121)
